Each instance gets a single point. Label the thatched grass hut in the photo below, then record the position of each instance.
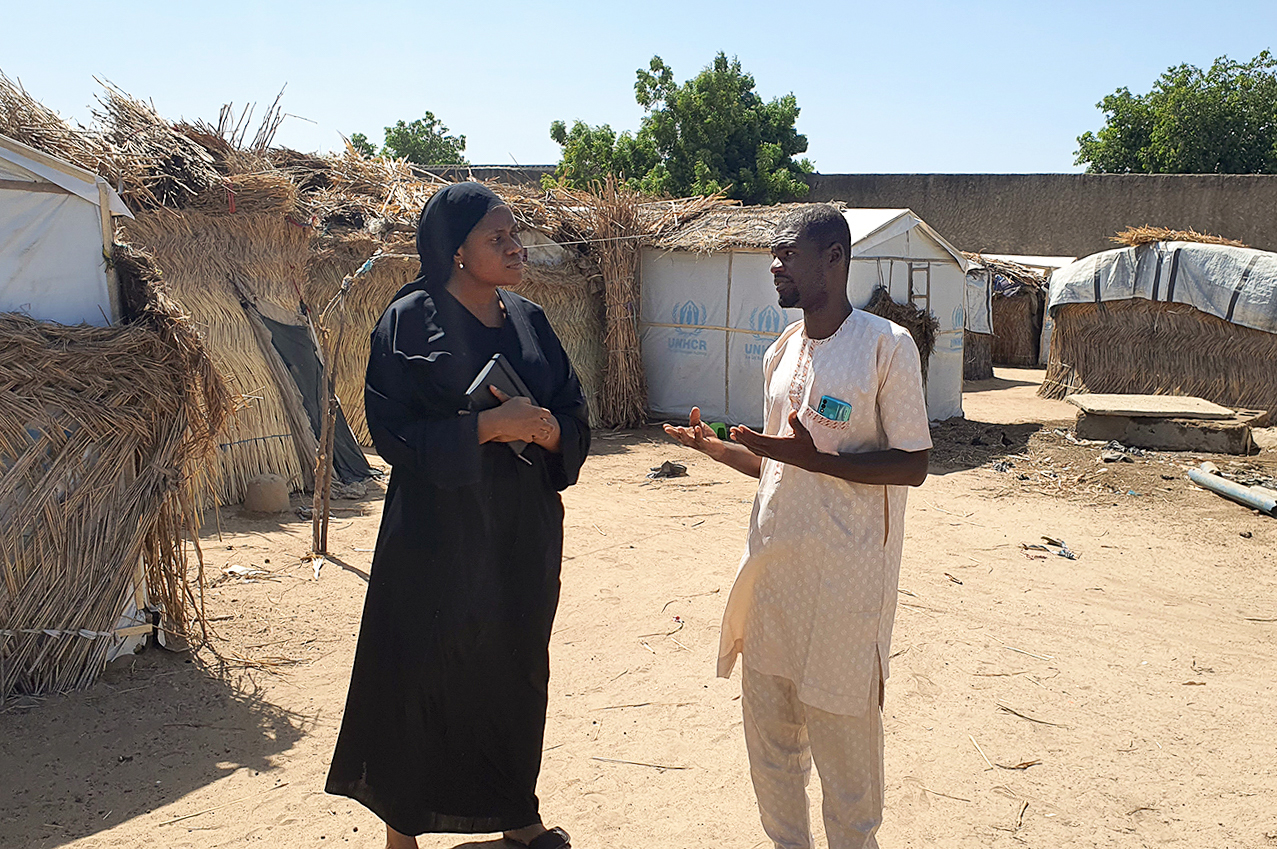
(102, 447)
(1018, 307)
(208, 259)
(1176, 317)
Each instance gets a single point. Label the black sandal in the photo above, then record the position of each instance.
(554, 838)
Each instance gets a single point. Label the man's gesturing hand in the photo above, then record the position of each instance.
(698, 435)
(796, 450)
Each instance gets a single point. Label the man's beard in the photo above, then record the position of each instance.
(788, 299)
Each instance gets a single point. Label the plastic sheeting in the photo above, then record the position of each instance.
(296, 348)
(707, 320)
(979, 317)
(51, 262)
(27, 163)
(1235, 284)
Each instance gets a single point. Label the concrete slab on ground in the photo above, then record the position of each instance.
(1232, 435)
(1159, 406)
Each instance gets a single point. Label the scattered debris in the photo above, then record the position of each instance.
(668, 469)
(1053, 546)
(245, 572)
(351, 491)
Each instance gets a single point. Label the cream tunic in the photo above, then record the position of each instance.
(815, 595)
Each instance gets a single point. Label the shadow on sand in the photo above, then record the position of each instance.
(153, 728)
(961, 444)
(994, 384)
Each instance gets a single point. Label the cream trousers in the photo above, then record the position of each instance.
(783, 737)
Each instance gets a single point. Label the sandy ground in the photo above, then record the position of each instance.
(1122, 699)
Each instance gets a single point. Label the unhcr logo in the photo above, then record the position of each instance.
(767, 320)
(688, 318)
(690, 314)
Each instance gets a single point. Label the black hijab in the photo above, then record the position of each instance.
(449, 216)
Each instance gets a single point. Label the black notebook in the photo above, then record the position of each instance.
(499, 373)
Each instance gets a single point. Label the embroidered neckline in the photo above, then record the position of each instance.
(846, 321)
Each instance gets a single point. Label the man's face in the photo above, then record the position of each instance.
(798, 270)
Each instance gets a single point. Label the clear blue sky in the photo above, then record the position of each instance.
(993, 86)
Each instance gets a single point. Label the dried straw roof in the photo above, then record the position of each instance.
(723, 227)
(1146, 234)
(1031, 278)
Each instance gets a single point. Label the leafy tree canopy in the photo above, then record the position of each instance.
(425, 141)
(1219, 121)
(360, 142)
(711, 133)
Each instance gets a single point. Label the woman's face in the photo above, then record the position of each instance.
(492, 253)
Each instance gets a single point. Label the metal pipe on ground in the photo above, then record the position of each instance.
(1257, 498)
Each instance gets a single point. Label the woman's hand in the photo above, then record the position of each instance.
(518, 420)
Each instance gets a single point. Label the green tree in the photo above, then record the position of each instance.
(711, 133)
(1219, 121)
(425, 141)
(360, 143)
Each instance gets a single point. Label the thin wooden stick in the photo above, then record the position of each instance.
(219, 807)
(1029, 718)
(981, 751)
(945, 795)
(640, 763)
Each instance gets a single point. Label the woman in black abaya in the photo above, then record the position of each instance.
(446, 711)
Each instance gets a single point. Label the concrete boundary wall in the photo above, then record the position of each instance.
(1065, 214)
(1037, 214)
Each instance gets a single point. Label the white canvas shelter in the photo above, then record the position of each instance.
(707, 318)
(55, 223)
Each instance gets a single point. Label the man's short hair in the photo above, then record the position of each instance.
(822, 223)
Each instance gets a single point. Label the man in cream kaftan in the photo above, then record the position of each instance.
(816, 593)
(812, 606)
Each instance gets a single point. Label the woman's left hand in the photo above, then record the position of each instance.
(531, 423)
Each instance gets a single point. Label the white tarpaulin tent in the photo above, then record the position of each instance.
(707, 317)
(1235, 284)
(53, 231)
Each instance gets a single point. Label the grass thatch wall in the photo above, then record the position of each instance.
(199, 254)
(574, 306)
(1141, 347)
(102, 437)
(330, 262)
(1017, 328)
(977, 356)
